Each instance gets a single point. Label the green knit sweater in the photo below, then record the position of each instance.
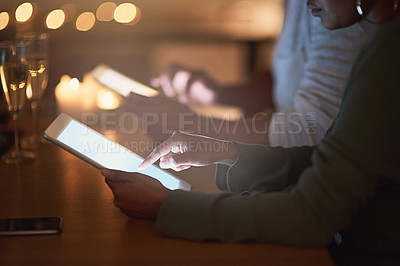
(349, 183)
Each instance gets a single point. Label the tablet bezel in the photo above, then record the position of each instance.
(63, 120)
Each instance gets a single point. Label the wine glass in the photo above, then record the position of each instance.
(14, 75)
(37, 79)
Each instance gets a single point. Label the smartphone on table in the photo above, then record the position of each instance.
(30, 226)
(97, 150)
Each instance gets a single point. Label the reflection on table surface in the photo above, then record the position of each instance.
(95, 232)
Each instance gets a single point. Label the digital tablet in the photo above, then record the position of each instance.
(120, 83)
(97, 150)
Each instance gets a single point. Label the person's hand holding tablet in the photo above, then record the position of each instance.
(139, 196)
(135, 194)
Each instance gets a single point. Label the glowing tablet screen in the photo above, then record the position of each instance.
(124, 85)
(110, 154)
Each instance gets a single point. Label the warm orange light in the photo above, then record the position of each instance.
(74, 84)
(137, 17)
(105, 12)
(29, 92)
(107, 100)
(85, 21)
(55, 19)
(125, 13)
(4, 19)
(24, 12)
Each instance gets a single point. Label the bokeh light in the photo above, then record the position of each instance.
(125, 13)
(105, 12)
(4, 19)
(55, 19)
(74, 84)
(24, 12)
(107, 100)
(136, 19)
(85, 21)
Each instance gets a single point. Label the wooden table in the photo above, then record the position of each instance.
(95, 232)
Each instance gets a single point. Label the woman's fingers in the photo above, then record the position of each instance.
(183, 150)
(153, 157)
(173, 144)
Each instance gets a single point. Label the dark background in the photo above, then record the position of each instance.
(227, 38)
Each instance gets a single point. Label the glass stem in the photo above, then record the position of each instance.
(16, 133)
(34, 108)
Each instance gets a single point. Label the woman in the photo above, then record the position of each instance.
(344, 193)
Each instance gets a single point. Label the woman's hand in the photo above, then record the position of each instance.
(189, 86)
(183, 150)
(137, 195)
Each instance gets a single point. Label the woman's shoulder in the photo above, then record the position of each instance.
(387, 34)
(383, 44)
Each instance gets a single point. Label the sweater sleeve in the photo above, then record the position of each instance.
(309, 214)
(321, 80)
(251, 173)
(357, 157)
